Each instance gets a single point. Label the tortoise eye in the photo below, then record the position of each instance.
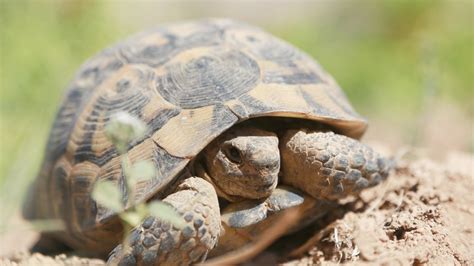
(233, 154)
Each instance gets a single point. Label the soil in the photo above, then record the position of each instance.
(423, 214)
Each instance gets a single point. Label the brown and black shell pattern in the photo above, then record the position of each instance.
(189, 82)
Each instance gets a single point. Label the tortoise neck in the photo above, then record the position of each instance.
(200, 170)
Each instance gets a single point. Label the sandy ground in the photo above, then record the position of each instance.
(423, 214)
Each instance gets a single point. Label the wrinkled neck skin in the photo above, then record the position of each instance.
(200, 170)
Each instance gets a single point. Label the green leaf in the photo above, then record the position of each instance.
(124, 128)
(106, 193)
(165, 212)
(133, 218)
(142, 170)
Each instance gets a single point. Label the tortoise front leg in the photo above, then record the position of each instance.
(156, 242)
(329, 166)
(245, 221)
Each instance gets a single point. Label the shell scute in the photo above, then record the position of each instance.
(203, 80)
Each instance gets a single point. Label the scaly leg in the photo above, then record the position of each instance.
(156, 242)
(329, 166)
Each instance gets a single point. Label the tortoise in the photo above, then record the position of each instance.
(234, 116)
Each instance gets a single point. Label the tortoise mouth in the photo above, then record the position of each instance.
(239, 188)
(266, 190)
(253, 186)
(269, 183)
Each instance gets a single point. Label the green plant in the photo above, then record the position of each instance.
(122, 129)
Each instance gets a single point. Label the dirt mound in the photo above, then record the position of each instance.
(423, 214)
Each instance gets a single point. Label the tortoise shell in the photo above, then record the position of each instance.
(189, 82)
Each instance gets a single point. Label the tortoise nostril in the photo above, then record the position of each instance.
(270, 165)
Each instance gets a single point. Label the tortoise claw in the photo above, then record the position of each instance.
(247, 213)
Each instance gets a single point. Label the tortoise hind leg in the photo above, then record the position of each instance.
(329, 166)
(156, 242)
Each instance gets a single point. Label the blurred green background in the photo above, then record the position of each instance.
(406, 65)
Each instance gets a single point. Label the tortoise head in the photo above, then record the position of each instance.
(243, 163)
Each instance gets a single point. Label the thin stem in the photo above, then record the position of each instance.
(126, 232)
(128, 181)
(130, 199)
